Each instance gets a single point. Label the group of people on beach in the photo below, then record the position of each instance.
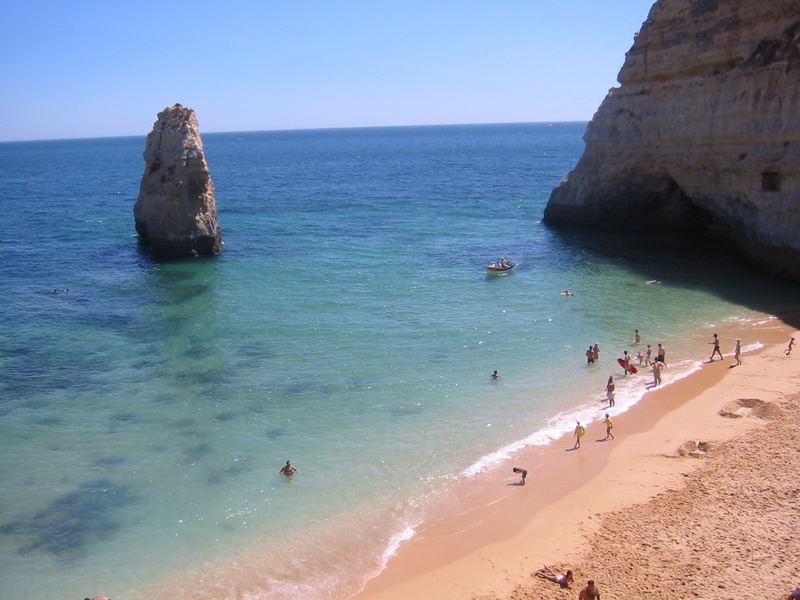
(580, 431)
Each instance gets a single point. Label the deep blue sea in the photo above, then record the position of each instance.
(348, 325)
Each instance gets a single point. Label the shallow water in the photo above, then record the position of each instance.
(348, 325)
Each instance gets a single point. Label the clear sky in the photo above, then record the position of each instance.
(81, 68)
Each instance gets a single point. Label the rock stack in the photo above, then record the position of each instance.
(703, 134)
(176, 211)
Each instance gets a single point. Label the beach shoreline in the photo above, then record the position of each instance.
(485, 537)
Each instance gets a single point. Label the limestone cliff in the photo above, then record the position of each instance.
(176, 212)
(703, 134)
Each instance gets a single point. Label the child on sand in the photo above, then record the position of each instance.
(523, 473)
(609, 427)
(737, 352)
(579, 432)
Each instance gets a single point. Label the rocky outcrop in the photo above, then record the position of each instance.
(703, 134)
(176, 212)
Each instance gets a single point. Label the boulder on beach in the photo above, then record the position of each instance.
(176, 211)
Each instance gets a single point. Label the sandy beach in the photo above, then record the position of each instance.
(647, 515)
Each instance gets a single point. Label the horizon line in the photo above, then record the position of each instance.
(298, 129)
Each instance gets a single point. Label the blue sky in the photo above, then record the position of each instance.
(89, 68)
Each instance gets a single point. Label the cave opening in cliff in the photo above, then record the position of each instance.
(771, 181)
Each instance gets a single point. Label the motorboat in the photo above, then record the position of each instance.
(503, 266)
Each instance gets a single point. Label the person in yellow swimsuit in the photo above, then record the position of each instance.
(609, 427)
(579, 432)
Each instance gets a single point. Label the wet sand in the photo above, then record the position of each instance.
(632, 513)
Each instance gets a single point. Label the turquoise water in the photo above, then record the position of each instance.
(348, 325)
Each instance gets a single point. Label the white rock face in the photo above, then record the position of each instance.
(176, 211)
(703, 135)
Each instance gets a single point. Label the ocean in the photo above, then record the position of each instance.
(348, 326)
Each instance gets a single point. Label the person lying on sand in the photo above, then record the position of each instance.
(590, 592)
(547, 573)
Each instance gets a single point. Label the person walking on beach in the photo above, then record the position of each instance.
(657, 366)
(609, 426)
(610, 391)
(716, 349)
(523, 473)
(648, 355)
(661, 354)
(737, 352)
(288, 469)
(789, 347)
(579, 432)
(590, 592)
(636, 337)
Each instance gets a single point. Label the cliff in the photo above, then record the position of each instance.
(703, 134)
(176, 211)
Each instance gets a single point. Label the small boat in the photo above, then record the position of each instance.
(501, 267)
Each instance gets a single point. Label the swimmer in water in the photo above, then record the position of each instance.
(566, 293)
(288, 469)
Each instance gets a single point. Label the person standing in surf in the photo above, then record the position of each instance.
(636, 337)
(610, 391)
(626, 362)
(657, 366)
(661, 354)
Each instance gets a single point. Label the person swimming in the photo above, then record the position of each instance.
(288, 469)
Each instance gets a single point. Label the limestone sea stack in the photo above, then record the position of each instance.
(176, 211)
(703, 134)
